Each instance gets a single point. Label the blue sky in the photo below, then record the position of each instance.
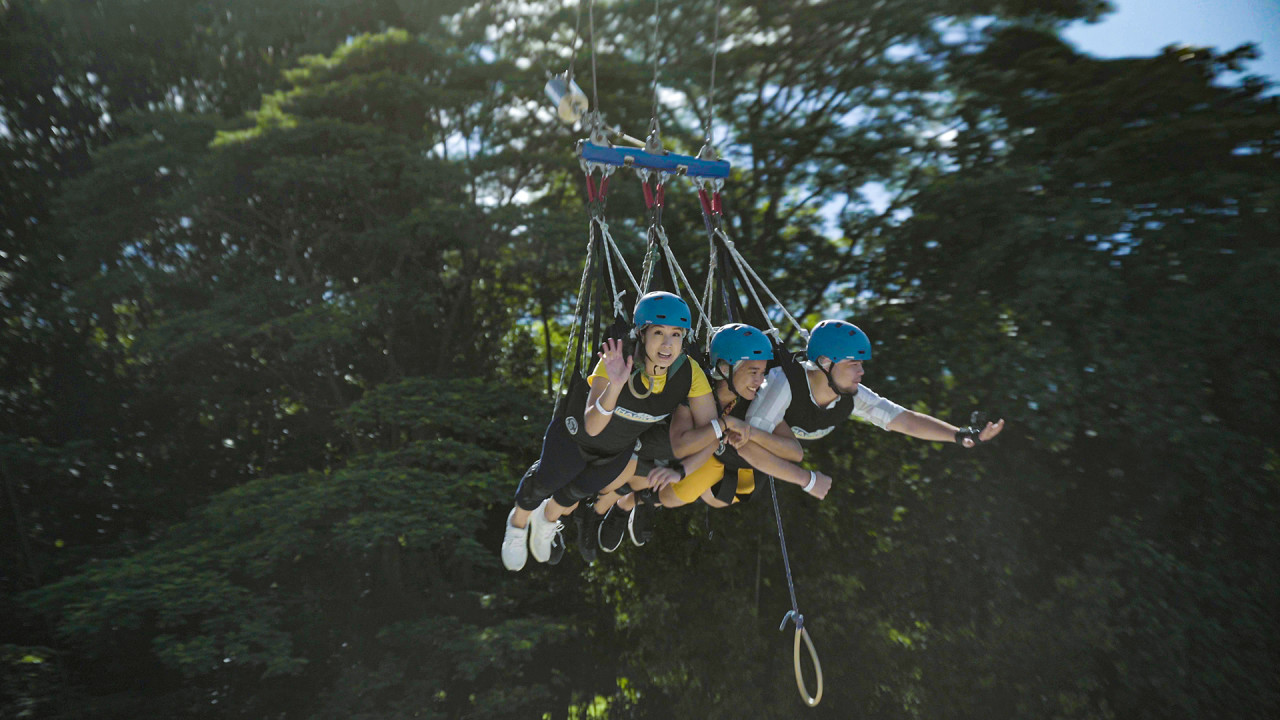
(1143, 27)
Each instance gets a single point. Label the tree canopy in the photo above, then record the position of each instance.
(285, 286)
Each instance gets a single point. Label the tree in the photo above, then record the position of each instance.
(1099, 230)
(318, 337)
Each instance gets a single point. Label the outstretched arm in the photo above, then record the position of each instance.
(770, 464)
(927, 427)
(889, 415)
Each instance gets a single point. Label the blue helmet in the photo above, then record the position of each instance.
(661, 308)
(736, 342)
(838, 340)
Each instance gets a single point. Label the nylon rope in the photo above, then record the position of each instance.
(651, 253)
(578, 328)
(794, 614)
(611, 245)
(746, 268)
(646, 271)
(678, 272)
(591, 19)
(711, 94)
(577, 38)
(786, 561)
(708, 293)
(657, 18)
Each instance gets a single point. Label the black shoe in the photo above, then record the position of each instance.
(557, 548)
(588, 523)
(612, 528)
(640, 524)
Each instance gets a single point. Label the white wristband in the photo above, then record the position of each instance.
(813, 480)
(715, 425)
(601, 410)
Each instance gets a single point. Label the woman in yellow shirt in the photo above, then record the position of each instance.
(591, 447)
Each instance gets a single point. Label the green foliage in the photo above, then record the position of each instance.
(238, 590)
(28, 677)
(279, 329)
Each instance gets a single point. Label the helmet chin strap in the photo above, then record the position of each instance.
(643, 348)
(644, 365)
(732, 386)
(831, 382)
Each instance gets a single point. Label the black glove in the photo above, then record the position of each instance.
(974, 432)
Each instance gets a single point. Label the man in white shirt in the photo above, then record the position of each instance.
(814, 395)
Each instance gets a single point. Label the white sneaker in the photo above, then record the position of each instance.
(515, 544)
(541, 532)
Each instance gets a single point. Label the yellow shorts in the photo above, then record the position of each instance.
(699, 481)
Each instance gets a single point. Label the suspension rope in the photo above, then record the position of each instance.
(711, 94)
(677, 271)
(794, 615)
(657, 18)
(610, 244)
(591, 19)
(708, 293)
(654, 200)
(659, 246)
(577, 38)
(578, 330)
(746, 269)
(712, 215)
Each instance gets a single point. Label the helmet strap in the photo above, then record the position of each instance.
(831, 382)
(733, 388)
(643, 369)
(643, 353)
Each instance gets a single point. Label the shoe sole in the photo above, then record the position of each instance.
(600, 541)
(631, 530)
(557, 549)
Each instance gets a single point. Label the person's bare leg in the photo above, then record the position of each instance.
(627, 502)
(521, 517)
(609, 496)
(712, 500)
(668, 497)
(555, 510)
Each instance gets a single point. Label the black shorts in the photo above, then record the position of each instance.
(653, 449)
(566, 470)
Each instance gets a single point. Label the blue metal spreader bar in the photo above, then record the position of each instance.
(668, 163)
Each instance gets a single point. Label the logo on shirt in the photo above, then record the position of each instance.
(571, 424)
(802, 434)
(639, 417)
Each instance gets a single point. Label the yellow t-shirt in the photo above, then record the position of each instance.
(697, 388)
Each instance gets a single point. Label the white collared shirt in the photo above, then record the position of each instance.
(774, 397)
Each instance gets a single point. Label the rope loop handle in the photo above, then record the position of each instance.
(810, 700)
(802, 633)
